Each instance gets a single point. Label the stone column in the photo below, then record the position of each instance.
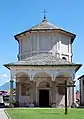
(11, 91)
(81, 92)
(36, 93)
(31, 95)
(73, 93)
(53, 94)
(17, 93)
(69, 96)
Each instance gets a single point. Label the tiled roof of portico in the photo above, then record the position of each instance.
(43, 59)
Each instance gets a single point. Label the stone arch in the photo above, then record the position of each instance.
(42, 74)
(43, 83)
(60, 80)
(22, 77)
(42, 77)
(66, 75)
(23, 88)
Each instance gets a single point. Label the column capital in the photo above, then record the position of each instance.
(31, 78)
(53, 77)
(11, 80)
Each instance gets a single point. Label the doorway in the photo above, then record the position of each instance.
(44, 98)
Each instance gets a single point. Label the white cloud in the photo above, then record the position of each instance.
(3, 76)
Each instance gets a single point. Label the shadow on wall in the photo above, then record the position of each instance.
(60, 101)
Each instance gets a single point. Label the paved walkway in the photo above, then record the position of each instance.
(2, 114)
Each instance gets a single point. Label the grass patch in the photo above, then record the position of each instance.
(39, 113)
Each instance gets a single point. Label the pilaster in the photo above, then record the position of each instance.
(60, 47)
(37, 43)
(69, 50)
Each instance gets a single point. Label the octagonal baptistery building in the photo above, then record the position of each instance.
(44, 63)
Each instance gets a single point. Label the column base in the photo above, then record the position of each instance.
(73, 105)
(11, 105)
(53, 105)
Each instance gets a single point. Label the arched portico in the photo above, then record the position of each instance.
(60, 91)
(30, 91)
(23, 88)
(22, 76)
(43, 82)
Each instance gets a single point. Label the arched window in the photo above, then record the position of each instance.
(64, 58)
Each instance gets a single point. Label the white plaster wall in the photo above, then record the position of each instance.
(26, 45)
(41, 42)
(44, 42)
(29, 44)
(64, 44)
(34, 42)
(54, 44)
(60, 99)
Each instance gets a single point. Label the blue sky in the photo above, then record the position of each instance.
(19, 15)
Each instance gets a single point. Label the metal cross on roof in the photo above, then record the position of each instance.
(44, 12)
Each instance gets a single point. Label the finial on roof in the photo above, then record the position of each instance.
(44, 12)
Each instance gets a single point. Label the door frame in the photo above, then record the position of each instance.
(49, 94)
